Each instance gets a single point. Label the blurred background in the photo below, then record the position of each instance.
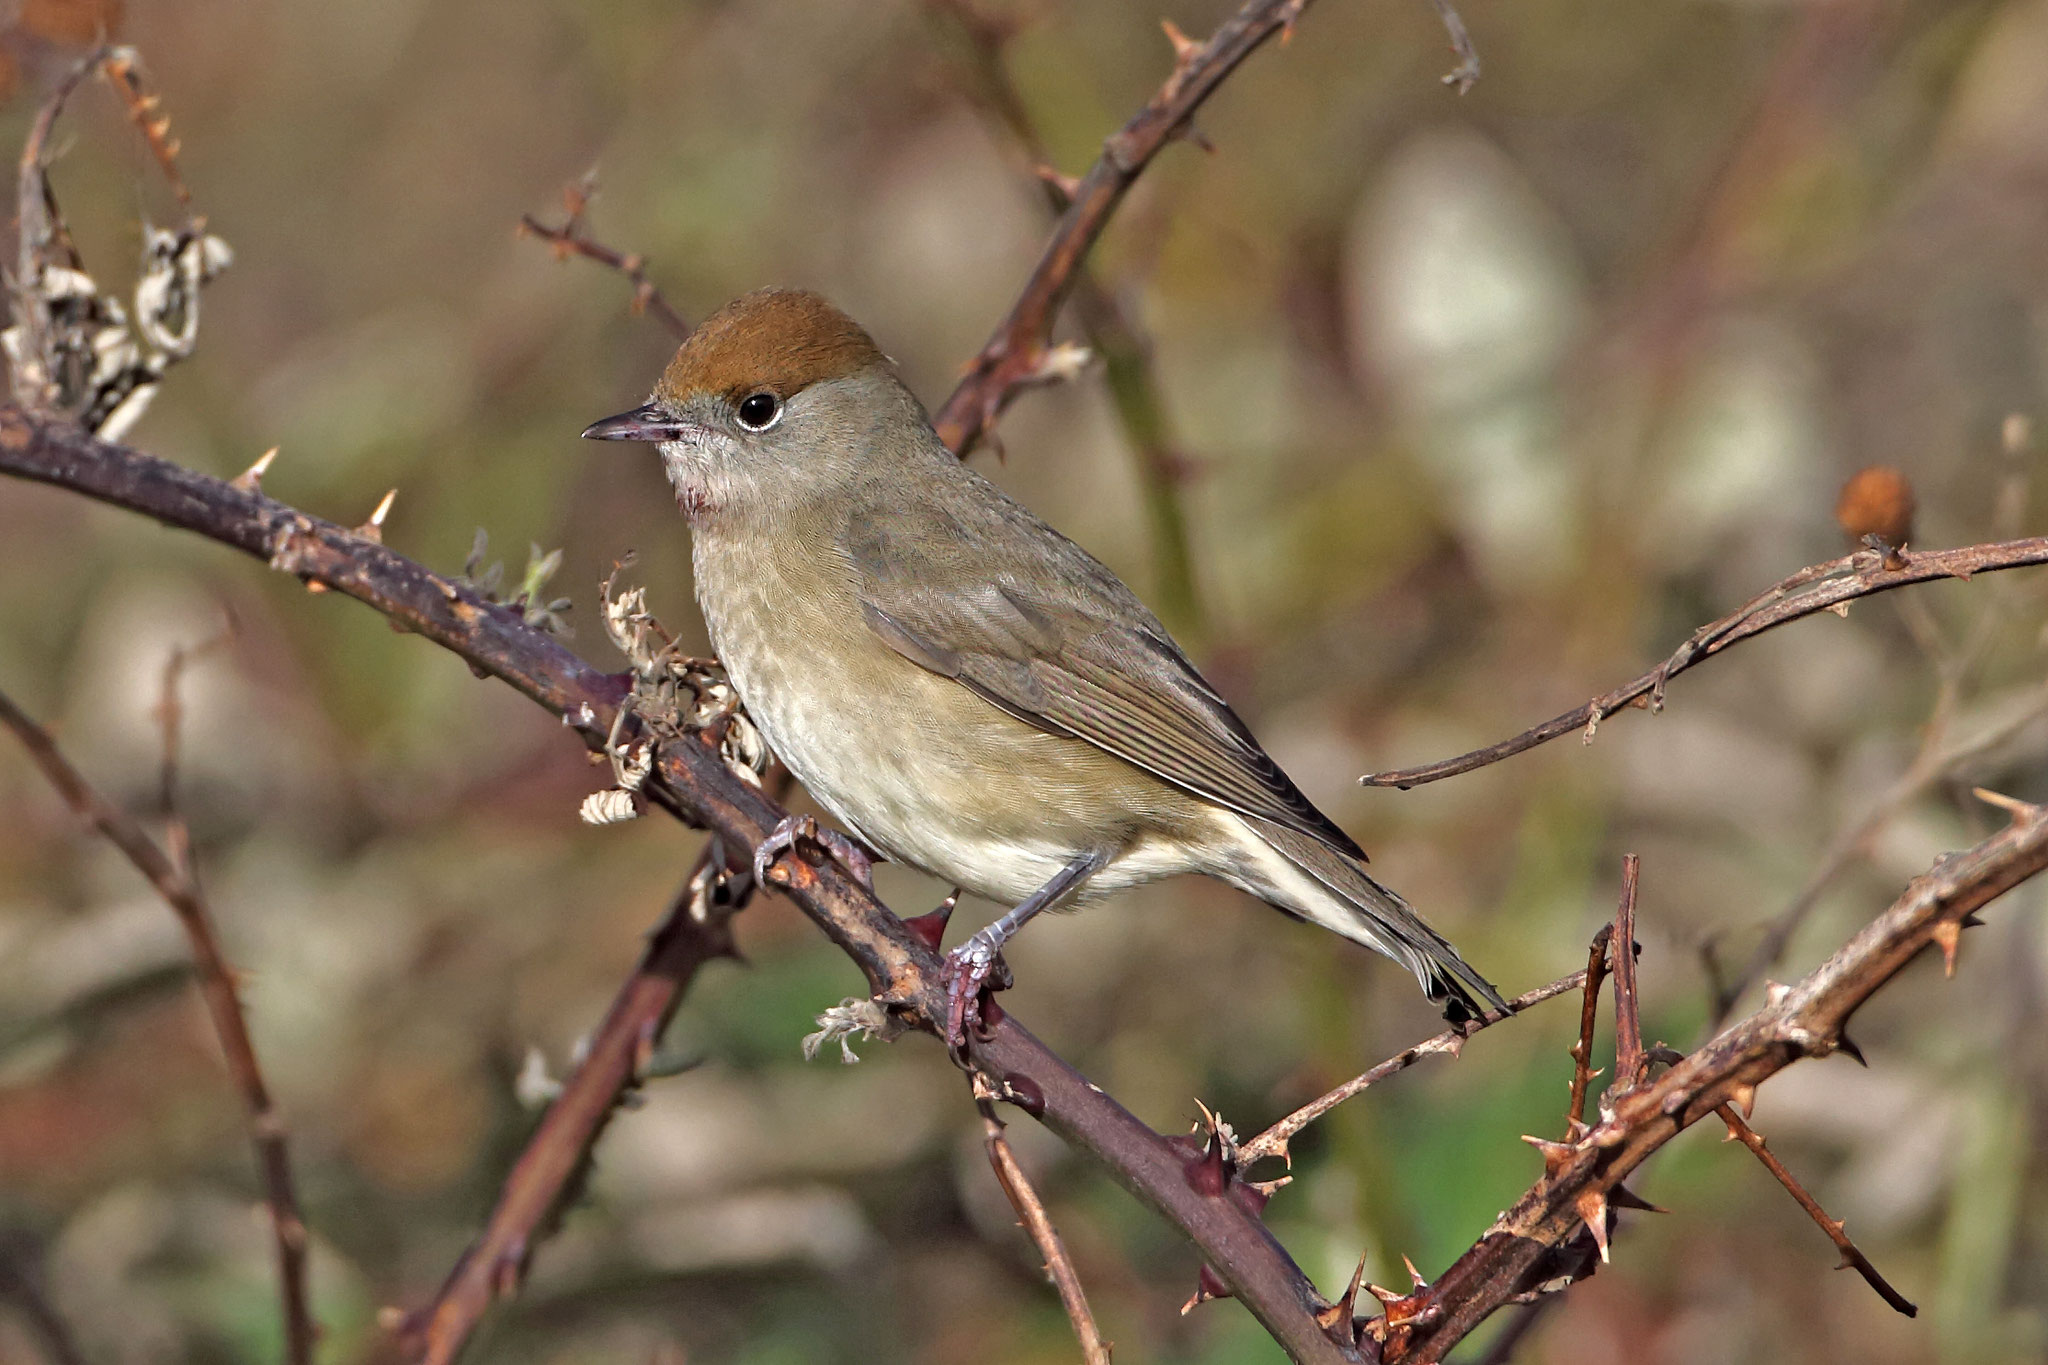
(1456, 412)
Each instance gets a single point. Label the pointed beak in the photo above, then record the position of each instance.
(648, 422)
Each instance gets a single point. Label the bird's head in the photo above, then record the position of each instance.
(777, 397)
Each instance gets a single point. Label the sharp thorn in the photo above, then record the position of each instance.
(2011, 805)
(250, 479)
(1592, 1206)
(1948, 936)
(1184, 47)
(1625, 1198)
(931, 926)
(373, 529)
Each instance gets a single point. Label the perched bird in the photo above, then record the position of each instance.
(968, 691)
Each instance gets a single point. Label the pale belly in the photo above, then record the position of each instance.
(918, 767)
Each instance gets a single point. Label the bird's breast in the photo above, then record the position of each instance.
(913, 763)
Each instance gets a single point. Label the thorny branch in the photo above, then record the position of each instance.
(573, 238)
(1630, 1066)
(1526, 1248)
(1059, 1266)
(1740, 1131)
(1820, 587)
(1938, 760)
(1125, 353)
(174, 881)
(1589, 1015)
(1015, 353)
(1451, 1042)
(71, 346)
(690, 780)
(1521, 1252)
(695, 931)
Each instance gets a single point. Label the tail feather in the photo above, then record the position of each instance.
(1359, 908)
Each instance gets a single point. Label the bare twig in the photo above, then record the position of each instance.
(178, 888)
(1629, 1063)
(1820, 587)
(1059, 1266)
(1125, 353)
(1589, 1016)
(695, 931)
(1933, 764)
(1739, 1130)
(1273, 1142)
(1015, 352)
(572, 238)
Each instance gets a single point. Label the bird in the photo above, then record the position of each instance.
(964, 689)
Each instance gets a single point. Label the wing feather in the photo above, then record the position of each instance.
(993, 598)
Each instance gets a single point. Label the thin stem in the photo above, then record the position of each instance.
(1059, 1266)
(1821, 587)
(180, 891)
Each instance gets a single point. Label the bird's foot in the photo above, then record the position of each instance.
(848, 853)
(972, 969)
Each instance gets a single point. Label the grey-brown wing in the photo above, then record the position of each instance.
(1006, 606)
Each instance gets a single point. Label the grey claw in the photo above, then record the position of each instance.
(782, 839)
(844, 851)
(970, 969)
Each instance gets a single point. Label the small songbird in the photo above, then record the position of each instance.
(968, 691)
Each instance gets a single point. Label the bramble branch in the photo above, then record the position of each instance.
(174, 881)
(573, 238)
(1521, 1251)
(1059, 1266)
(1014, 353)
(1820, 587)
(693, 782)
(695, 931)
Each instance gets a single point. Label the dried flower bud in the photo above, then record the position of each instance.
(1877, 501)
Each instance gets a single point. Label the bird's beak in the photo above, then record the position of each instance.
(648, 422)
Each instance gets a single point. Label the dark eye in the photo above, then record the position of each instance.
(758, 411)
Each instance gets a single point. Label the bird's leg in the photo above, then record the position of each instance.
(848, 853)
(970, 967)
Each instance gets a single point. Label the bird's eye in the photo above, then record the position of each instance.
(758, 411)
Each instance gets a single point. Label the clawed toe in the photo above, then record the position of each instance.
(848, 853)
(974, 967)
(782, 839)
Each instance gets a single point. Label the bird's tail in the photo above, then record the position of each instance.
(1334, 891)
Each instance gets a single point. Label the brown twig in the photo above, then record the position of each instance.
(180, 890)
(695, 931)
(1589, 1016)
(1820, 587)
(1125, 353)
(1522, 1250)
(1059, 1266)
(1015, 352)
(1630, 1066)
(573, 239)
(1273, 1142)
(693, 782)
(1933, 764)
(1740, 1131)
